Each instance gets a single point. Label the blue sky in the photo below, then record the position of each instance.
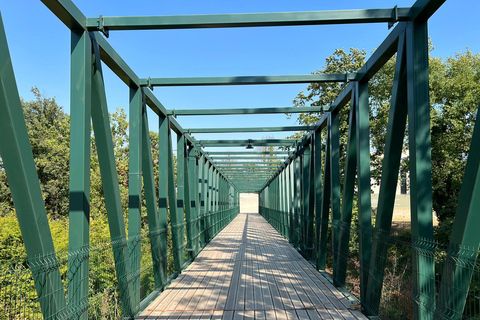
(40, 45)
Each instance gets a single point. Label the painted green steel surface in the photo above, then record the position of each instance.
(362, 116)
(244, 143)
(175, 206)
(391, 164)
(135, 186)
(155, 228)
(348, 193)
(254, 153)
(249, 19)
(418, 101)
(163, 191)
(19, 166)
(239, 111)
(246, 80)
(263, 129)
(80, 135)
(268, 157)
(108, 171)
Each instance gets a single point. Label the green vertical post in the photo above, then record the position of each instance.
(333, 124)
(287, 200)
(182, 184)
(364, 190)
(163, 171)
(348, 191)
(135, 188)
(111, 189)
(308, 200)
(80, 132)
(298, 201)
(176, 208)
(201, 197)
(292, 201)
(317, 155)
(397, 120)
(193, 184)
(188, 202)
(210, 202)
(213, 207)
(205, 201)
(420, 168)
(19, 165)
(324, 214)
(280, 202)
(154, 221)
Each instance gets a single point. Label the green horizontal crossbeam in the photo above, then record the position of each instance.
(253, 153)
(258, 129)
(246, 80)
(256, 163)
(247, 19)
(243, 111)
(244, 143)
(247, 158)
(247, 171)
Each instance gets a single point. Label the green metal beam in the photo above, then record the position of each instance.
(80, 141)
(135, 187)
(246, 80)
(420, 168)
(108, 171)
(264, 129)
(155, 228)
(19, 165)
(244, 143)
(253, 153)
(247, 19)
(248, 158)
(258, 163)
(397, 120)
(243, 111)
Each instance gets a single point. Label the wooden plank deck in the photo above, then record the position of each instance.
(250, 272)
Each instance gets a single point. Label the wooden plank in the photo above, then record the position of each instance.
(250, 272)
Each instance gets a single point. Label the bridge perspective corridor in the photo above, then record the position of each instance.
(173, 244)
(249, 271)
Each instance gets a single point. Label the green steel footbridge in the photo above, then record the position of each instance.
(302, 191)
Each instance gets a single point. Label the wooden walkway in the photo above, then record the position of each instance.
(248, 271)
